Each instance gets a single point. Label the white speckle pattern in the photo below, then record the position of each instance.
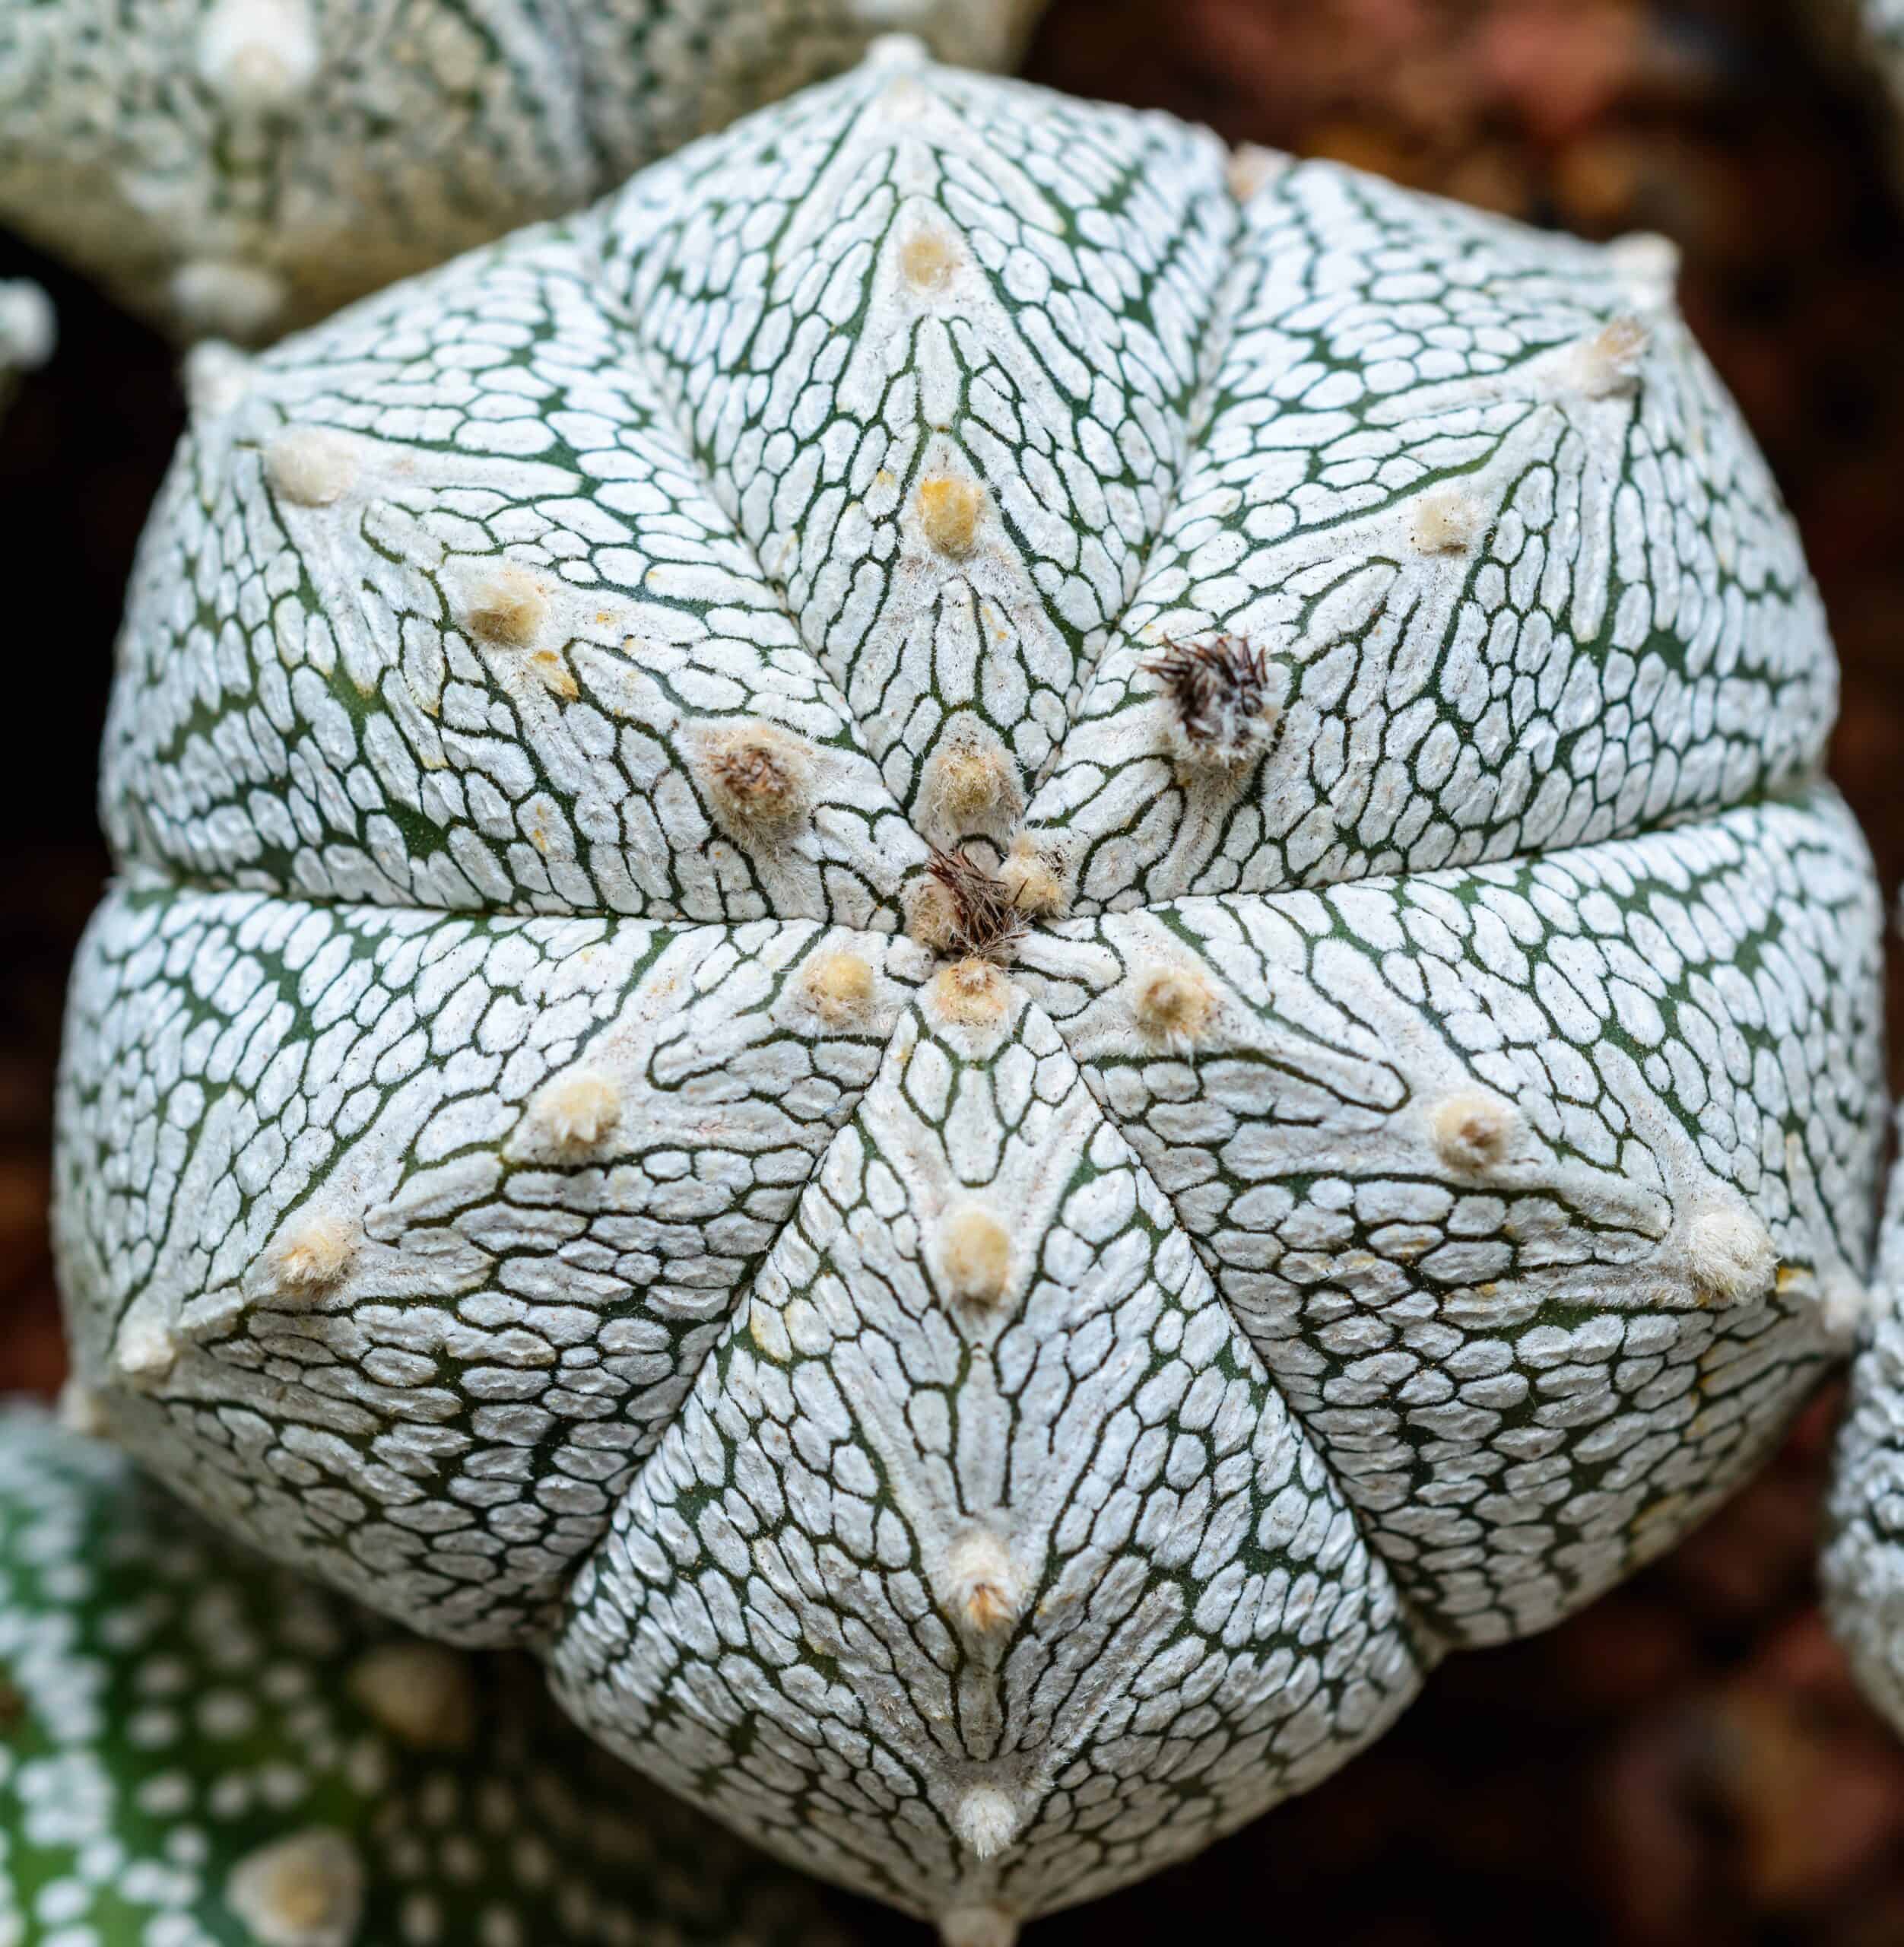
(983, 1425)
(264, 1805)
(234, 167)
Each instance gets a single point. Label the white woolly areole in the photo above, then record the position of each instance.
(758, 776)
(981, 1586)
(975, 1256)
(1172, 1003)
(1648, 264)
(1473, 1129)
(1252, 167)
(312, 1255)
(839, 986)
(1449, 520)
(1032, 882)
(310, 465)
(1607, 364)
(146, 1349)
(977, 1926)
(971, 782)
(506, 607)
(578, 1111)
(421, 1693)
(1731, 1254)
(305, 1891)
(27, 330)
(258, 54)
(892, 50)
(230, 300)
(986, 1821)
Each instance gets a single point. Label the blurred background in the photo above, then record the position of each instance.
(1685, 1764)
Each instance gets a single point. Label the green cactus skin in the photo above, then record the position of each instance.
(199, 1748)
(984, 1366)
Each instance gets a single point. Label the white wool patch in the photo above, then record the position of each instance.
(987, 1821)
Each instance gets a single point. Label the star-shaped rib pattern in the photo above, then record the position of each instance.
(984, 1415)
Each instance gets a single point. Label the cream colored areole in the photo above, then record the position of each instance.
(990, 952)
(231, 168)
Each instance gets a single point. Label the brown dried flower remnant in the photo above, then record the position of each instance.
(981, 920)
(1220, 693)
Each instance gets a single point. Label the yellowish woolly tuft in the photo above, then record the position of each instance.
(420, 1693)
(971, 783)
(969, 993)
(1449, 520)
(1033, 883)
(981, 1584)
(312, 1257)
(218, 299)
(1473, 1129)
(1730, 1255)
(82, 1410)
(1173, 1004)
(576, 1111)
(305, 1891)
(950, 511)
(507, 608)
(259, 54)
(758, 775)
(1252, 167)
(977, 1926)
(838, 986)
(1608, 363)
(974, 1256)
(927, 258)
(986, 1821)
(145, 1351)
(931, 915)
(311, 466)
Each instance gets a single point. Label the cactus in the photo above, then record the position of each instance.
(233, 168)
(990, 953)
(201, 1748)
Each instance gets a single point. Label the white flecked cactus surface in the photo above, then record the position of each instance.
(990, 952)
(201, 1750)
(232, 168)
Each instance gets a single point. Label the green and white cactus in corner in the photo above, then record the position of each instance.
(27, 333)
(199, 1749)
(989, 953)
(232, 168)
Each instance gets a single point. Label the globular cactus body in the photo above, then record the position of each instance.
(990, 952)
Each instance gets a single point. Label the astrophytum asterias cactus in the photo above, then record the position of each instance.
(232, 168)
(990, 951)
(199, 1750)
(26, 333)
